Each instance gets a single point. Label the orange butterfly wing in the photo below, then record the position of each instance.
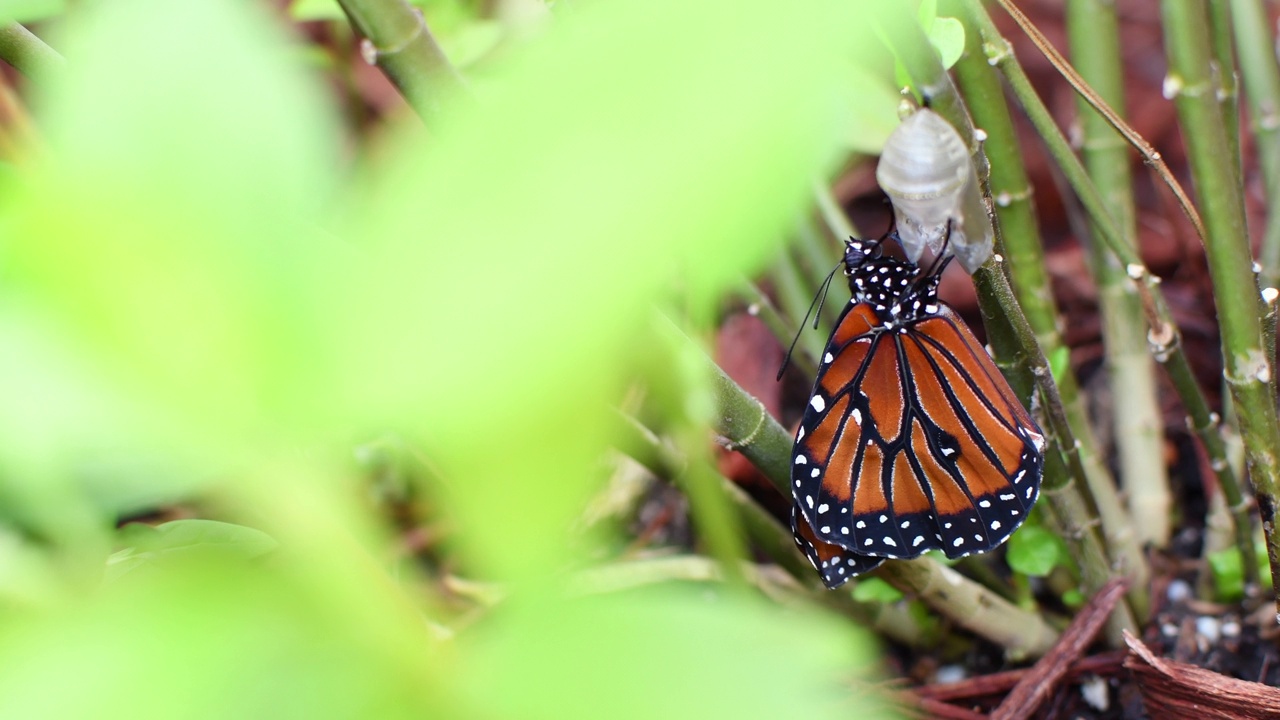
(912, 441)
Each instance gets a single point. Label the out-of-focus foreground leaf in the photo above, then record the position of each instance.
(197, 303)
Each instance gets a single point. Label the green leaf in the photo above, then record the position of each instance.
(876, 113)
(187, 325)
(596, 176)
(1035, 551)
(310, 10)
(25, 11)
(196, 533)
(947, 37)
(927, 12)
(218, 640)
(1059, 362)
(876, 590)
(1226, 569)
(727, 658)
(182, 539)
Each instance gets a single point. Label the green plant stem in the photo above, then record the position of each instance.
(1012, 191)
(1224, 75)
(972, 606)
(27, 53)
(1207, 426)
(397, 41)
(1074, 507)
(1230, 265)
(998, 302)
(1262, 89)
(1095, 48)
(1149, 154)
(795, 294)
(833, 216)
(819, 260)
(759, 305)
(1163, 338)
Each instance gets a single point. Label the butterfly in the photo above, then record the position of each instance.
(912, 439)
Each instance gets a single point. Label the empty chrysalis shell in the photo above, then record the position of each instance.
(926, 171)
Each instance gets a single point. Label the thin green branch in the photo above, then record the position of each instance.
(1094, 37)
(1247, 371)
(971, 606)
(1224, 76)
(397, 41)
(1012, 191)
(998, 300)
(1262, 90)
(1163, 338)
(27, 53)
(1069, 74)
(759, 305)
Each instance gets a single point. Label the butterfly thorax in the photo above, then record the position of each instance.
(898, 291)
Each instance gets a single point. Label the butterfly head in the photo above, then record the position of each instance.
(858, 252)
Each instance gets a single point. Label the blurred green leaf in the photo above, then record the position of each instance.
(687, 654)
(197, 301)
(876, 113)
(1059, 361)
(183, 538)
(927, 12)
(308, 10)
(181, 535)
(947, 36)
(1035, 551)
(29, 574)
(1227, 572)
(206, 640)
(25, 11)
(876, 590)
(1226, 569)
(596, 175)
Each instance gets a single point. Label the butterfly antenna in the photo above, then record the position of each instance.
(818, 300)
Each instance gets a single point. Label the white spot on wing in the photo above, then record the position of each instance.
(818, 403)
